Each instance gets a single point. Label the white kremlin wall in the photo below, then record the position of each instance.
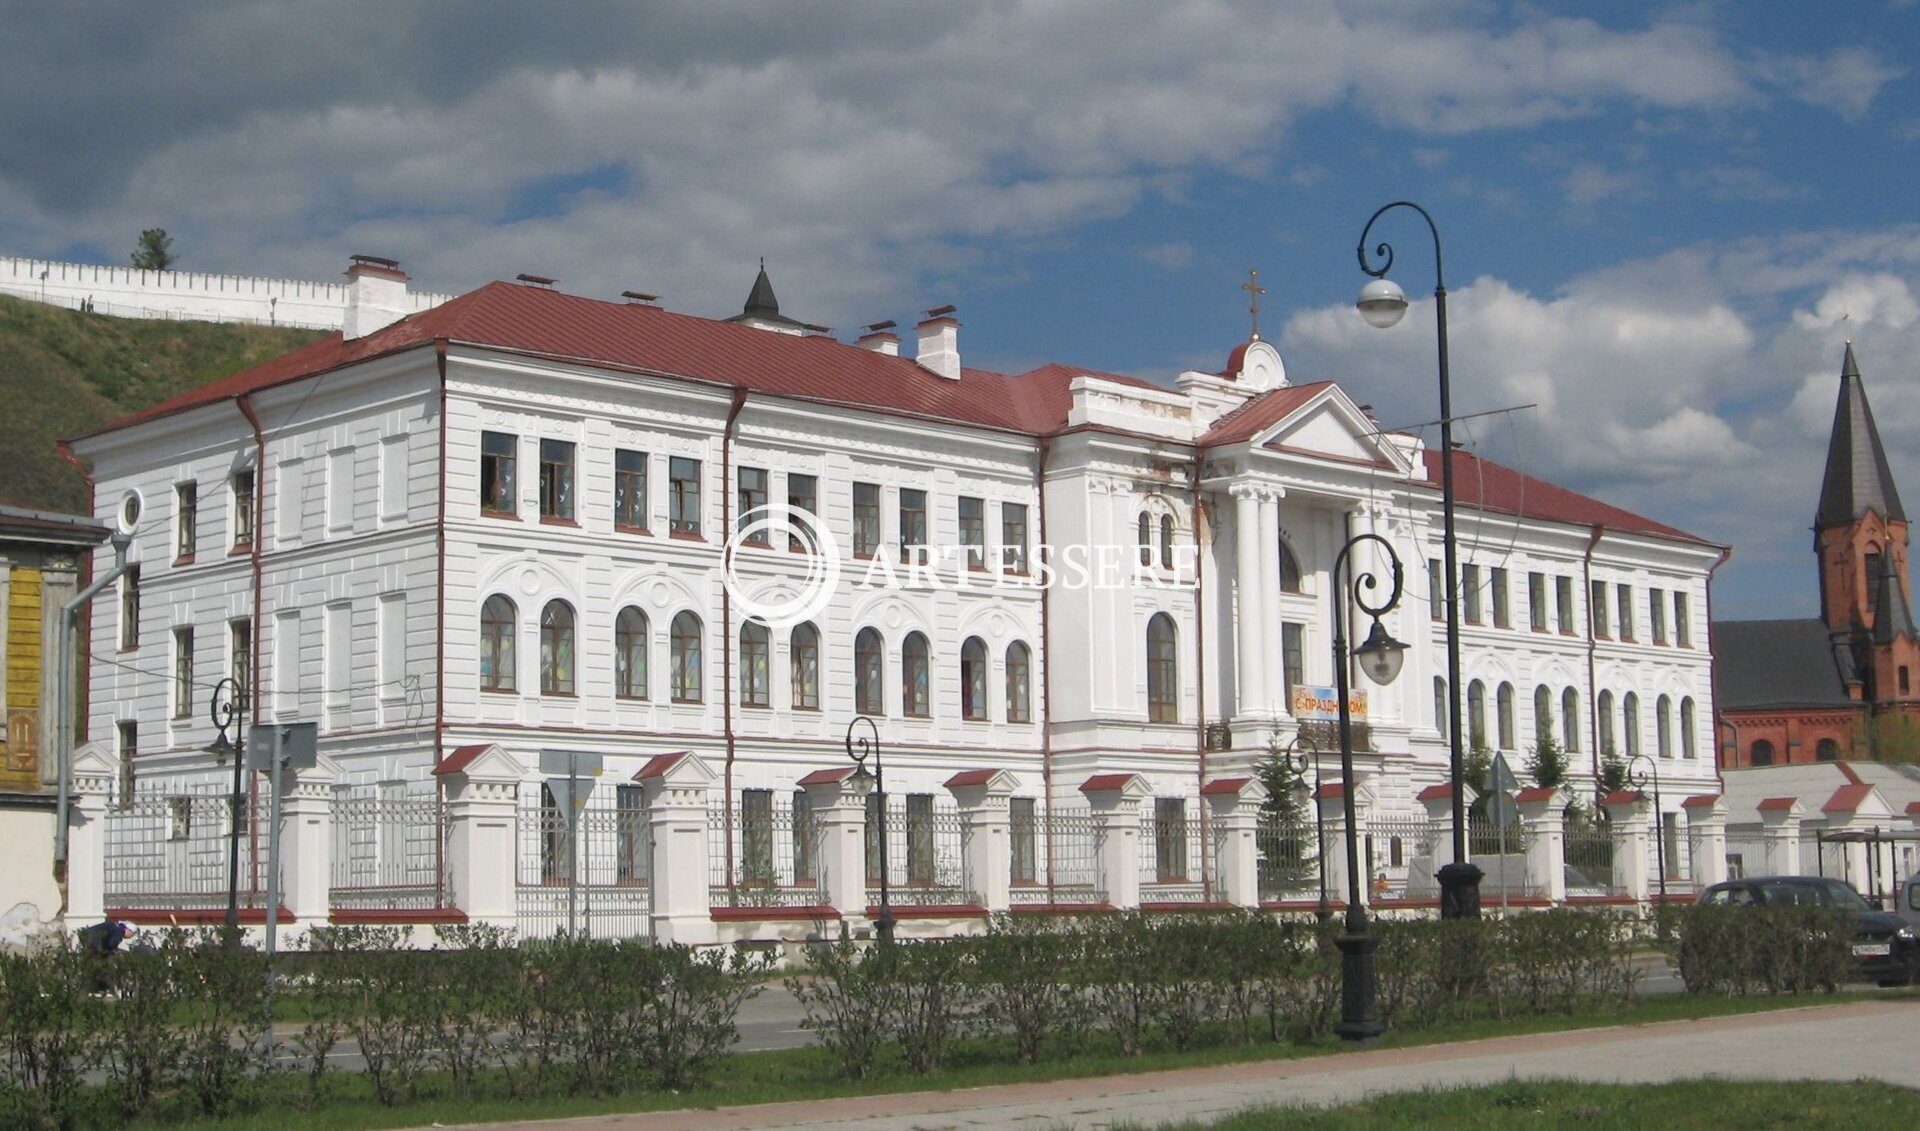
(185, 295)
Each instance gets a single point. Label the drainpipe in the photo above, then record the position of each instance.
(726, 614)
(1200, 675)
(245, 403)
(1713, 672)
(1046, 659)
(1593, 692)
(440, 640)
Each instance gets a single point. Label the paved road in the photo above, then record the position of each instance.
(1873, 1039)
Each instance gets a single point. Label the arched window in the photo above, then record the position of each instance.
(1827, 750)
(1166, 541)
(869, 668)
(803, 655)
(1163, 671)
(1760, 753)
(1146, 538)
(1686, 728)
(1570, 719)
(756, 665)
(1440, 702)
(630, 654)
(916, 678)
(1630, 722)
(1476, 714)
(973, 679)
(1603, 713)
(1289, 569)
(684, 642)
(1542, 715)
(556, 649)
(1503, 703)
(1019, 683)
(497, 666)
(1663, 726)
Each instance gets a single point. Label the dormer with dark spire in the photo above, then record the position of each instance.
(1860, 530)
(762, 310)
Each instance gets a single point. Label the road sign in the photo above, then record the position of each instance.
(570, 794)
(299, 745)
(1500, 777)
(574, 763)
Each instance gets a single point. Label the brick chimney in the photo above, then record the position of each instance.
(376, 296)
(939, 343)
(880, 338)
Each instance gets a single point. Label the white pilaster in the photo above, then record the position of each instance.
(986, 834)
(1250, 621)
(1780, 819)
(1272, 660)
(1543, 814)
(306, 842)
(1115, 801)
(675, 787)
(93, 777)
(1628, 811)
(481, 794)
(1707, 837)
(840, 817)
(1235, 804)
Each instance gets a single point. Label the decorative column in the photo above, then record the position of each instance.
(1437, 800)
(93, 776)
(1543, 815)
(306, 841)
(986, 834)
(1115, 801)
(1333, 825)
(1627, 811)
(1780, 819)
(481, 786)
(1272, 656)
(840, 822)
(1250, 623)
(674, 789)
(1706, 838)
(1235, 813)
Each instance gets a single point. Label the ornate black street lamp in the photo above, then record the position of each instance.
(229, 709)
(864, 783)
(1637, 777)
(1298, 760)
(1380, 658)
(1382, 303)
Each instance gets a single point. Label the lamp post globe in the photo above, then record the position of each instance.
(1382, 303)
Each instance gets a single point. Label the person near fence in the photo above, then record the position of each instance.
(104, 938)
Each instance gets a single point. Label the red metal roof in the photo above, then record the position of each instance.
(1225, 785)
(1846, 799)
(658, 765)
(1260, 413)
(1623, 797)
(1776, 804)
(828, 777)
(1913, 807)
(1330, 791)
(970, 777)
(1435, 792)
(1700, 801)
(1485, 485)
(461, 758)
(1100, 783)
(1535, 793)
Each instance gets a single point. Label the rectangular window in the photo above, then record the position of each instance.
(1170, 839)
(1022, 828)
(1470, 594)
(630, 822)
(920, 853)
(243, 509)
(1436, 589)
(394, 472)
(683, 495)
(179, 818)
(866, 519)
(497, 462)
(804, 869)
(1624, 608)
(1597, 610)
(186, 522)
(130, 608)
(1293, 656)
(750, 496)
(240, 653)
(129, 750)
(1537, 601)
(629, 490)
(803, 495)
(182, 673)
(1682, 633)
(1498, 581)
(756, 836)
(1657, 614)
(973, 531)
(756, 681)
(913, 523)
(556, 480)
(1563, 596)
(1013, 537)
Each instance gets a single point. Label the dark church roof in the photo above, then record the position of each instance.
(1892, 615)
(762, 306)
(1779, 663)
(1858, 479)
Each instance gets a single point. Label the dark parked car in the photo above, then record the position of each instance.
(1884, 948)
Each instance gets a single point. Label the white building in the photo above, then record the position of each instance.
(501, 522)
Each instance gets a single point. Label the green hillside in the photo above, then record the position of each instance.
(63, 373)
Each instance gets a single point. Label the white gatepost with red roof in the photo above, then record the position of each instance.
(1543, 814)
(1437, 800)
(1780, 819)
(840, 821)
(93, 777)
(1115, 801)
(306, 841)
(1235, 804)
(1627, 813)
(482, 784)
(675, 788)
(986, 834)
(1707, 837)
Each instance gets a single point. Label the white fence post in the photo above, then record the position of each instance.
(1115, 801)
(93, 777)
(840, 816)
(675, 787)
(1330, 798)
(1707, 837)
(1543, 814)
(482, 790)
(1628, 812)
(1780, 819)
(1235, 804)
(986, 834)
(306, 842)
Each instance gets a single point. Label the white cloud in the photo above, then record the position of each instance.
(1588, 183)
(1171, 256)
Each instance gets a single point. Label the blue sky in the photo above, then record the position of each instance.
(1661, 221)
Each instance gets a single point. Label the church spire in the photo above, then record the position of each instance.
(1858, 479)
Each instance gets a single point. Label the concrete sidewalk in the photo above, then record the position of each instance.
(1875, 1040)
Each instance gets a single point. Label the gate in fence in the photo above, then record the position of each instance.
(1589, 860)
(389, 848)
(167, 849)
(589, 875)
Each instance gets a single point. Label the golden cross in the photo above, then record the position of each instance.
(1252, 287)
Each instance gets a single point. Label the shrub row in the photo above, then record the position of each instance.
(1731, 950)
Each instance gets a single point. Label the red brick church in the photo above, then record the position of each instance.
(1809, 690)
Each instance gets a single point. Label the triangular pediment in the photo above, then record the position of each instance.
(1330, 425)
